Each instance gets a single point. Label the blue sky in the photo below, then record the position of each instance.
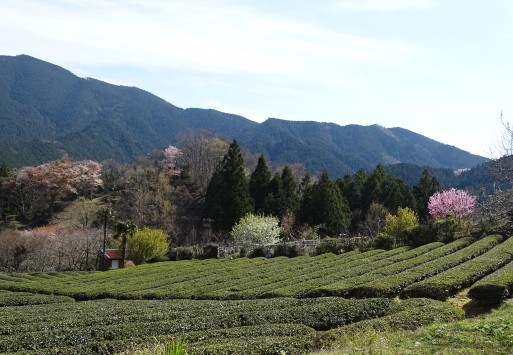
(441, 68)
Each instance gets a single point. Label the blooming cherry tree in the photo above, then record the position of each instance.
(171, 156)
(451, 203)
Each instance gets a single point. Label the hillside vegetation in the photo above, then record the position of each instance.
(46, 112)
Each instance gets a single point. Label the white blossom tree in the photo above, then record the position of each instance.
(256, 230)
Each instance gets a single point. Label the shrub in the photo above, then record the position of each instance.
(209, 251)
(384, 241)
(147, 243)
(447, 283)
(157, 259)
(181, 253)
(404, 220)
(494, 288)
(257, 252)
(289, 250)
(8, 298)
(443, 230)
(329, 245)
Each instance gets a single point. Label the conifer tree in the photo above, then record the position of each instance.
(259, 185)
(4, 170)
(352, 188)
(228, 199)
(274, 199)
(425, 188)
(324, 205)
(289, 188)
(388, 190)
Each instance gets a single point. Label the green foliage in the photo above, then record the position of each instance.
(125, 229)
(182, 253)
(449, 282)
(176, 347)
(253, 230)
(375, 273)
(494, 288)
(324, 205)
(384, 241)
(391, 279)
(408, 315)
(290, 197)
(9, 299)
(443, 230)
(423, 190)
(113, 325)
(259, 184)
(91, 119)
(5, 171)
(227, 199)
(290, 251)
(209, 251)
(404, 220)
(146, 244)
(329, 245)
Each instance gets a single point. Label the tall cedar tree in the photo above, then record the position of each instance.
(289, 188)
(425, 188)
(228, 199)
(324, 205)
(388, 190)
(352, 188)
(4, 170)
(274, 198)
(259, 185)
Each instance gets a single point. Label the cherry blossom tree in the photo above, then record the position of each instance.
(171, 157)
(451, 203)
(35, 189)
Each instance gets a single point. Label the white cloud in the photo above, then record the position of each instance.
(384, 5)
(215, 36)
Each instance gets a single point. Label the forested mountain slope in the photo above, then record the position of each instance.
(46, 111)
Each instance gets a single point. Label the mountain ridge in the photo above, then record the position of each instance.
(47, 111)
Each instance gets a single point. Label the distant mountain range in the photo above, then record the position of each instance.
(46, 111)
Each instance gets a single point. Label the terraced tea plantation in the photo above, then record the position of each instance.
(248, 305)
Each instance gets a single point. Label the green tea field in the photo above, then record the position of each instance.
(260, 306)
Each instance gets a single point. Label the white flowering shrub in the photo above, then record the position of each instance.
(253, 230)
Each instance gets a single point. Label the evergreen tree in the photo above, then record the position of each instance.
(352, 188)
(228, 199)
(372, 190)
(386, 189)
(422, 191)
(274, 199)
(289, 188)
(4, 170)
(259, 185)
(324, 205)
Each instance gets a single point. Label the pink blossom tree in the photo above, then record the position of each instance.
(171, 156)
(451, 203)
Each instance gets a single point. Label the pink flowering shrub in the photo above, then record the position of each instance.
(451, 203)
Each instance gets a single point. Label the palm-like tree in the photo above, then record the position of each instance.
(123, 230)
(105, 216)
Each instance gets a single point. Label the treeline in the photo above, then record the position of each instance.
(196, 192)
(352, 205)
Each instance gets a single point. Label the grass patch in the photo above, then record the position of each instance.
(486, 334)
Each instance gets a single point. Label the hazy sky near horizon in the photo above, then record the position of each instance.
(441, 68)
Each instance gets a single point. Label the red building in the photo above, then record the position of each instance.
(112, 259)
